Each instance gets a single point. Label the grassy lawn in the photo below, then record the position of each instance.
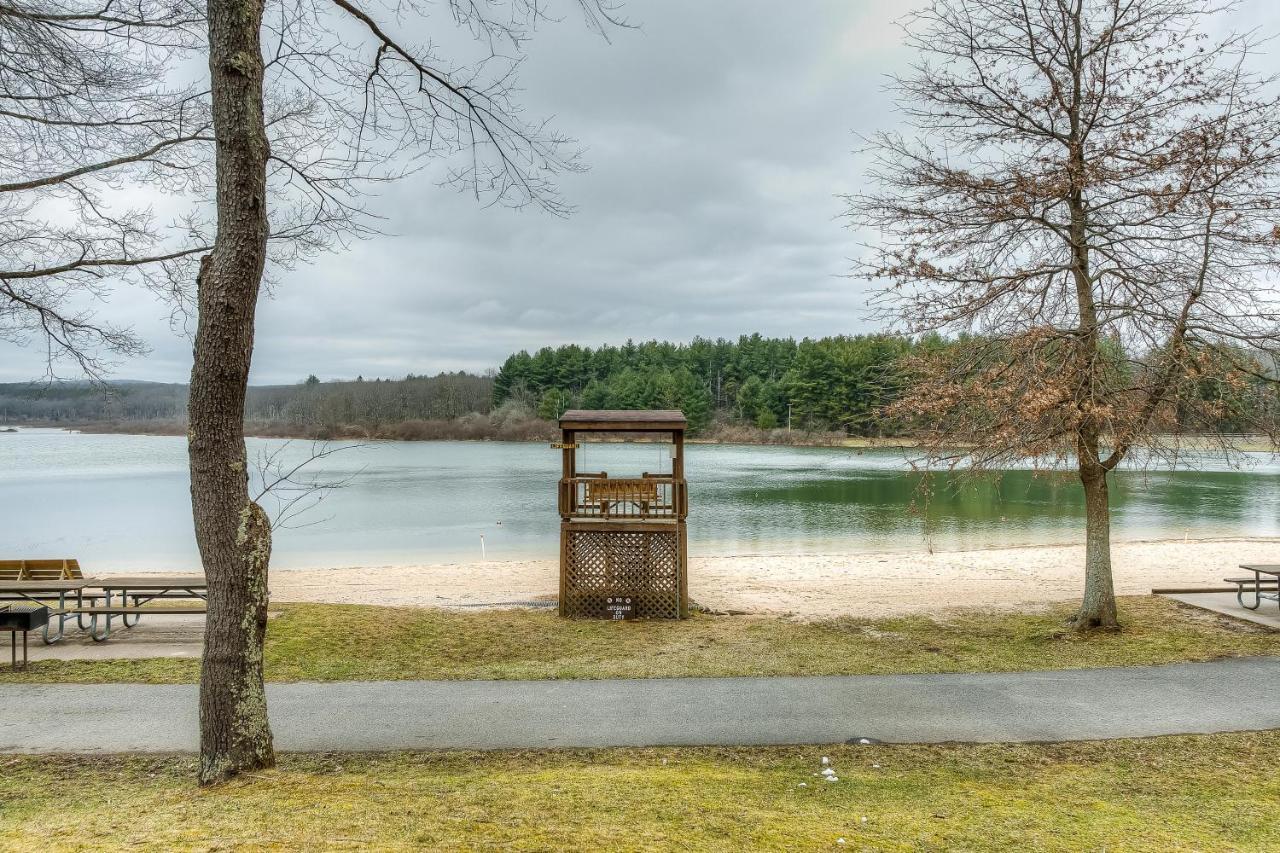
(318, 642)
(1183, 793)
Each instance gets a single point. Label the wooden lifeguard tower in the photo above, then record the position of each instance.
(622, 539)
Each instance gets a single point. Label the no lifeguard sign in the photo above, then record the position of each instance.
(620, 607)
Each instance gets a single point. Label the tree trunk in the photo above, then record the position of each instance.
(232, 531)
(1098, 607)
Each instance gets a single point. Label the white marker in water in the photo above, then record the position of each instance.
(482, 554)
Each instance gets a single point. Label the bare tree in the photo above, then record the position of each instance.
(88, 106)
(307, 104)
(1088, 191)
(310, 103)
(101, 123)
(294, 485)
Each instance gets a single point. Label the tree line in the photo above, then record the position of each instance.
(834, 383)
(845, 384)
(308, 406)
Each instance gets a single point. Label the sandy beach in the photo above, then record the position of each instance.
(811, 586)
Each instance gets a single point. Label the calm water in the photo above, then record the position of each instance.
(121, 502)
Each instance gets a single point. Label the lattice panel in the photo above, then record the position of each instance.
(601, 564)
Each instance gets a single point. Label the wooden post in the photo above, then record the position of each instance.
(569, 467)
(682, 562)
(564, 566)
(677, 455)
(681, 504)
(568, 470)
(568, 461)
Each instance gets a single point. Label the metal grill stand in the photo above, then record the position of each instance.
(25, 618)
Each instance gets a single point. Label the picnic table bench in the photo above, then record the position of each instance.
(40, 570)
(1259, 583)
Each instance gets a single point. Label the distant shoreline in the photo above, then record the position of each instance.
(480, 428)
(465, 430)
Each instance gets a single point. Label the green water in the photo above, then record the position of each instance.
(121, 502)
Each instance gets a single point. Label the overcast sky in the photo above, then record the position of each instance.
(718, 136)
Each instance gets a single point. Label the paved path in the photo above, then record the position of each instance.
(1222, 695)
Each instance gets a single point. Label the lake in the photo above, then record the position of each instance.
(120, 502)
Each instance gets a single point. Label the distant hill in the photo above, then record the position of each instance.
(307, 405)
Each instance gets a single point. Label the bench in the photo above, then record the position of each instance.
(124, 612)
(604, 493)
(140, 611)
(40, 570)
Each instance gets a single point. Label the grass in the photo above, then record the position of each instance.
(1180, 793)
(320, 642)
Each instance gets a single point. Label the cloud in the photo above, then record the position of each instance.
(718, 136)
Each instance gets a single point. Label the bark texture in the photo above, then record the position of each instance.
(233, 532)
(1098, 606)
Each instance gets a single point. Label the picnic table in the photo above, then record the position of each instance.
(1271, 582)
(131, 593)
(135, 591)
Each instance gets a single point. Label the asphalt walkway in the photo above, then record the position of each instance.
(1226, 695)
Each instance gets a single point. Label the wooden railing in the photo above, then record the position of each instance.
(649, 496)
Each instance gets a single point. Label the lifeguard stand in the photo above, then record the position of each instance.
(622, 540)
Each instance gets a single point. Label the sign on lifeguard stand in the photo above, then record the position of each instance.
(622, 539)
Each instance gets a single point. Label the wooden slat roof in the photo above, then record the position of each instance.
(621, 420)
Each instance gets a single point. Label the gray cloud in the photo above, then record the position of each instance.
(718, 136)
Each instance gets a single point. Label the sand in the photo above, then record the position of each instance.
(812, 586)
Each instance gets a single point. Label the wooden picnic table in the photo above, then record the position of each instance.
(194, 586)
(133, 592)
(1258, 569)
(142, 590)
